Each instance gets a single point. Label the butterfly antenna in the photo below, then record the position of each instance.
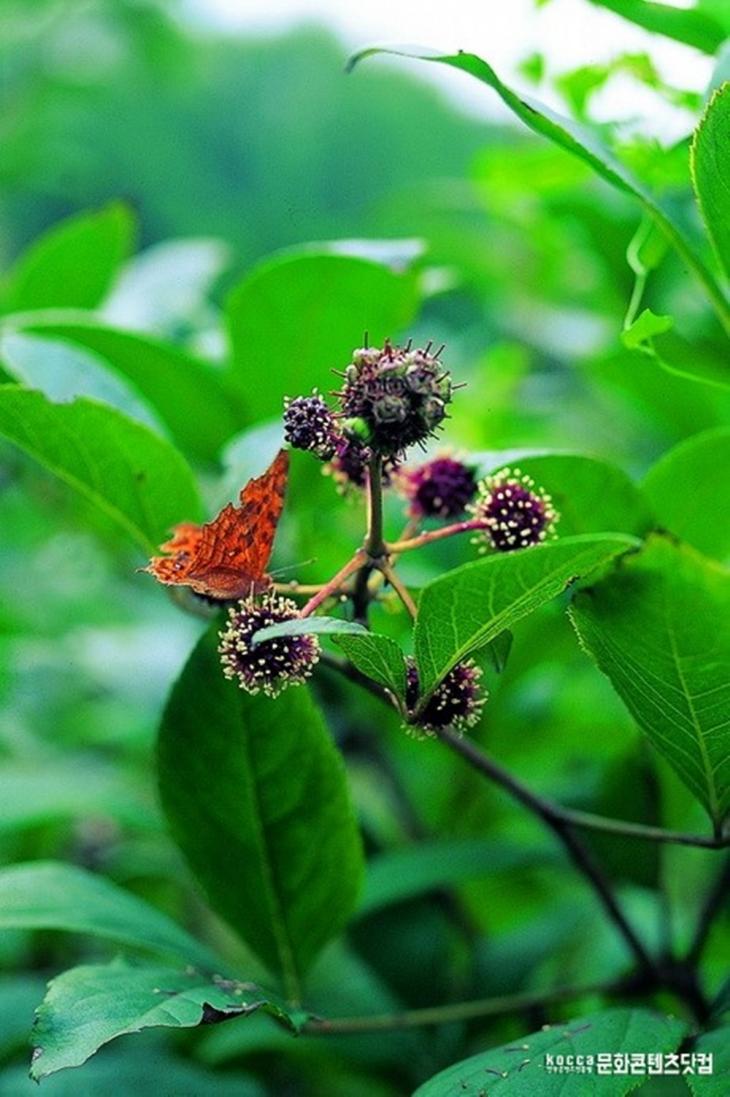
(292, 567)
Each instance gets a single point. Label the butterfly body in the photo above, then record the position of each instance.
(227, 557)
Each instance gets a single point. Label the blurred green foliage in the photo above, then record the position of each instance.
(180, 160)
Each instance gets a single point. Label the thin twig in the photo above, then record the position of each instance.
(432, 535)
(400, 588)
(579, 854)
(454, 1011)
(717, 898)
(355, 563)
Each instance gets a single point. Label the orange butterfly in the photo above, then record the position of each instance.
(228, 557)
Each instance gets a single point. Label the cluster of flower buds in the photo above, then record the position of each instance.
(272, 665)
(391, 398)
(310, 425)
(515, 512)
(440, 488)
(456, 702)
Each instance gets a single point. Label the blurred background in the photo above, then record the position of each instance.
(229, 131)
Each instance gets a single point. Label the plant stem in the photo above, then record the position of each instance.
(355, 563)
(713, 904)
(579, 854)
(454, 1011)
(400, 589)
(374, 544)
(432, 535)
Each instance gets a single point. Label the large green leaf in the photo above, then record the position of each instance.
(467, 608)
(297, 317)
(692, 26)
(257, 800)
(51, 895)
(379, 658)
(659, 627)
(710, 164)
(88, 1006)
(136, 478)
(192, 399)
(582, 142)
(73, 264)
(689, 490)
(521, 1069)
(591, 496)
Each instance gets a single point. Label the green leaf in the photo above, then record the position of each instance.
(136, 478)
(303, 626)
(646, 325)
(519, 1069)
(591, 496)
(75, 787)
(88, 1006)
(470, 606)
(148, 1070)
(709, 161)
(716, 1044)
(256, 796)
(51, 895)
(689, 491)
(298, 316)
(379, 658)
(659, 628)
(675, 354)
(689, 25)
(194, 402)
(405, 873)
(582, 142)
(73, 264)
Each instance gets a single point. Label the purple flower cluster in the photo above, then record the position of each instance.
(456, 702)
(440, 488)
(515, 512)
(272, 665)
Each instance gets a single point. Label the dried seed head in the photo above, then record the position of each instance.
(515, 512)
(272, 665)
(401, 395)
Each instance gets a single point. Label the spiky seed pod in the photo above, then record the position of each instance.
(310, 425)
(440, 488)
(273, 665)
(401, 395)
(516, 513)
(457, 702)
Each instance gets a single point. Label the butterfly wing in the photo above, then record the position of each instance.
(228, 557)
